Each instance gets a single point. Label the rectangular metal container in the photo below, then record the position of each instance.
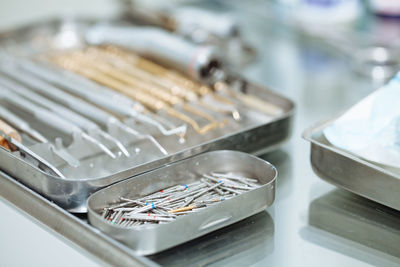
(72, 194)
(349, 172)
(151, 239)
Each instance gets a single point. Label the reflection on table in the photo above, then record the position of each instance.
(245, 242)
(374, 229)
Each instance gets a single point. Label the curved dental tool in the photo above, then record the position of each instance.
(85, 124)
(143, 96)
(96, 94)
(84, 108)
(174, 88)
(50, 119)
(21, 125)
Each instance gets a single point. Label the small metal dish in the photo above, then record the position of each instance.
(150, 239)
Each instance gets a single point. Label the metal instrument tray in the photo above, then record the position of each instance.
(151, 239)
(252, 234)
(74, 228)
(350, 172)
(72, 194)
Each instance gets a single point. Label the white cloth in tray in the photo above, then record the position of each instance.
(371, 129)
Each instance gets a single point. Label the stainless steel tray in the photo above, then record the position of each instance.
(71, 227)
(255, 234)
(254, 138)
(151, 239)
(349, 172)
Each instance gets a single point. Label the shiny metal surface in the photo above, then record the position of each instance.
(68, 226)
(349, 172)
(254, 135)
(200, 62)
(323, 85)
(156, 238)
(378, 62)
(72, 194)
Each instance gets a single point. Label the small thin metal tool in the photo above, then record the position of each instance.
(21, 125)
(24, 127)
(52, 120)
(145, 98)
(84, 108)
(85, 124)
(156, 70)
(249, 100)
(27, 153)
(168, 204)
(132, 82)
(111, 64)
(96, 94)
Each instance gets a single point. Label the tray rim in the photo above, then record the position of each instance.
(308, 135)
(381, 191)
(75, 202)
(82, 19)
(273, 180)
(39, 207)
(269, 187)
